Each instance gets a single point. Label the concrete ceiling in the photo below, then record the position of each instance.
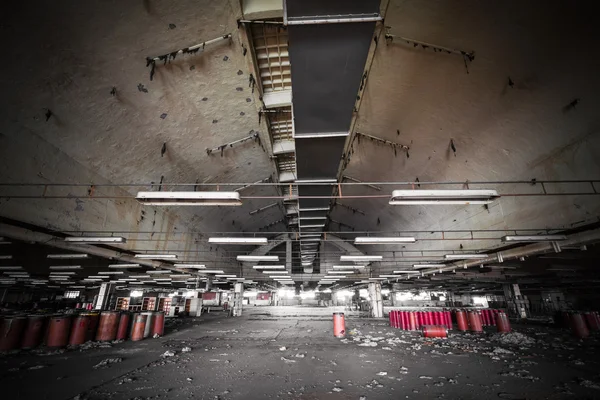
(525, 110)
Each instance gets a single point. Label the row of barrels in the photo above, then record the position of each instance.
(471, 320)
(55, 331)
(580, 323)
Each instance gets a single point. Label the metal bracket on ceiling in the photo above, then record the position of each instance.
(263, 208)
(267, 179)
(151, 61)
(253, 135)
(467, 56)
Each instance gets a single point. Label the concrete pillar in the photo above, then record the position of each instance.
(4, 295)
(208, 283)
(238, 296)
(517, 304)
(376, 300)
(288, 255)
(101, 301)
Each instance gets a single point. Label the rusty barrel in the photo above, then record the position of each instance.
(123, 328)
(79, 328)
(339, 325)
(412, 321)
(158, 326)
(34, 331)
(393, 320)
(58, 331)
(502, 322)
(11, 332)
(592, 321)
(449, 320)
(431, 331)
(461, 320)
(578, 326)
(149, 323)
(93, 325)
(139, 325)
(474, 321)
(107, 326)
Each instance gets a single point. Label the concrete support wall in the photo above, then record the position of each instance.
(376, 300)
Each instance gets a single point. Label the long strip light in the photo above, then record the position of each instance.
(124, 266)
(347, 266)
(406, 272)
(189, 265)
(10, 268)
(225, 276)
(139, 276)
(336, 276)
(110, 273)
(189, 198)
(464, 196)
(534, 238)
(65, 267)
(156, 256)
(279, 276)
(258, 258)
(361, 258)
(159, 271)
(211, 271)
(269, 267)
(383, 240)
(95, 239)
(274, 272)
(377, 279)
(313, 226)
(465, 256)
(6, 257)
(61, 273)
(340, 272)
(67, 256)
(92, 280)
(417, 266)
(389, 276)
(180, 276)
(240, 240)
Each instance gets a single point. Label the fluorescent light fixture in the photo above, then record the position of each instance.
(312, 226)
(406, 272)
(361, 258)
(417, 266)
(159, 271)
(96, 239)
(306, 264)
(139, 276)
(110, 273)
(92, 280)
(65, 267)
(465, 256)
(6, 257)
(310, 235)
(274, 272)
(189, 198)
(336, 276)
(258, 258)
(211, 271)
(269, 267)
(189, 265)
(124, 266)
(162, 280)
(314, 209)
(383, 240)
(534, 238)
(340, 272)
(135, 283)
(389, 276)
(156, 256)
(377, 279)
(347, 266)
(99, 276)
(62, 273)
(11, 268)
(310, 240)
(241, 240)
(464, 196)
(67, 256)
(279, 276)
(311, 218)
(180, 276)
(315, 181)
(225, 276)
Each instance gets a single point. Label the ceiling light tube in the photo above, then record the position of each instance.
(258, 258)
(6, 257)
(389, 276)
(241, 240)
(465, 256)
(62, 273)
(336, 276)
(417, 266)
(269, 267)
(225, 276)
(98, 239)
(361, 258)
(10, 268)
(180, 276)
(189, 265)
(162, 280)
(406, 272)
(67, 256)
(275, 272)
(312, 226)
(211, 271)
(340, 272)
(159, 271)
(110, 273)
(314, 209)
(377, 279)
(347, 266)
(311, 218)
(383, 240)
(189, 198)
(464, 196)
(533, 238)
(279, 276)
(65, 267)
(156, 256)
(124, 266)
(310, 240)
(92, 280)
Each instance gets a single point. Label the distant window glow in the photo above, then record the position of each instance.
(71, 295)
(136, 293)
(307, 295)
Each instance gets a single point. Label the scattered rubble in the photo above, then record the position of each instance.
(106, 362)
(514, 338)
(37, 367)
(337, 389)
(168, 353)
(287, 360)
(186, 349)
(382, 373)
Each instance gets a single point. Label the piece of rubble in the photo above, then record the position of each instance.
(382, 373)
(186, 349)
(425, 377)
(106, 362)
(337, 389)
(300, 355)
(168, 353)
(282, 348)
(286, 360)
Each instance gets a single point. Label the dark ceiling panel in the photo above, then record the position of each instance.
(321, 190)
(327, 66)
(309, 8)
(319, 158)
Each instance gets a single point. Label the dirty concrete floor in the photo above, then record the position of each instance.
(289, 353)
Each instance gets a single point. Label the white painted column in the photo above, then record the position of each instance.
(238, 297)
(376, 300)
(101, 301)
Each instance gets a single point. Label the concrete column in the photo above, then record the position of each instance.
(101, 301)
(517, 304)
(288, 255)
(208, 283)
(376, 300)
(238, 296)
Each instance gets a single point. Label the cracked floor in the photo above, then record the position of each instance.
(290, 353)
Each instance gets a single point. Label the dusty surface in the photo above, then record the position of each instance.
(267, 354)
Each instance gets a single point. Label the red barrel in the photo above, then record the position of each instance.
(11, 332)
(578, 326)
(461, 320)
(428, 318)
(592, 321)
(149, 323)
(420, 322)
(435, 331)
(34, 331)
(396, 319)
(93, 325)
(158, 326)
(122, 330)
(485, 317)
(449, 320)
(502, 322)
(79, 329)
(412, 321)
(108, 325)
(496, 312)
(139, 324)
(58, 331)
(402, 320)
(474, 321)
(339, 325)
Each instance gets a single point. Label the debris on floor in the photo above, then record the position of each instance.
(514, 338)
(106, 362)
(287, 360)
(186, 349)
(168, 353)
